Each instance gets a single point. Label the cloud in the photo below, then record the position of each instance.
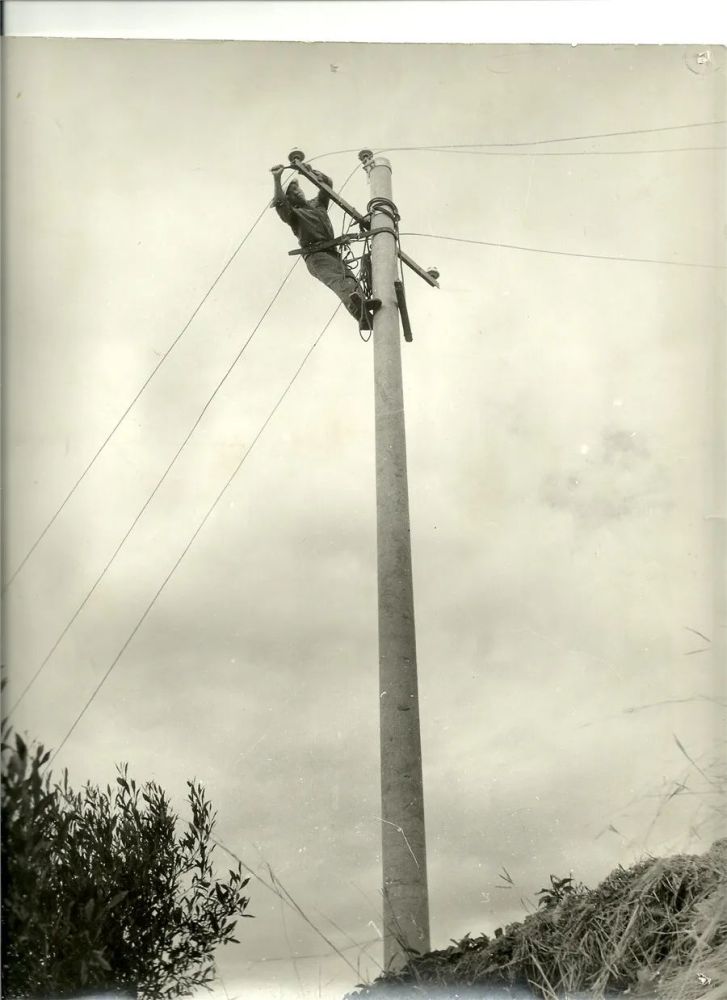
(614, 478)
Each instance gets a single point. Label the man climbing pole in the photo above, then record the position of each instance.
(310, 222)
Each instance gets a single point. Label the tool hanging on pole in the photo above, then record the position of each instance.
(331, 259)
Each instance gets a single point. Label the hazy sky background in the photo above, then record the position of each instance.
(561, 428)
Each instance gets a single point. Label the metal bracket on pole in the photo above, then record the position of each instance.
(297, 161)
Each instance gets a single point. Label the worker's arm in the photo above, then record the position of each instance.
(323, 197)
(280, 202)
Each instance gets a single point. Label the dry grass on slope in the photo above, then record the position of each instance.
(657, 929)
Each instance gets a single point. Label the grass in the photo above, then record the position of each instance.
(657, 929)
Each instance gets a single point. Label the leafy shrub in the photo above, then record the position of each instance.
(99, 890)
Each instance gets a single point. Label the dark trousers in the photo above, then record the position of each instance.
(336, 275)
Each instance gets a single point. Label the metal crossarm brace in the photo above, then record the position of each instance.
(298, 164)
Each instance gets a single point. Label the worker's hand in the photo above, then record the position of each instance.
(322, 177)
(277, 170)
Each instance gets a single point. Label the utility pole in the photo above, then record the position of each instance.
(406, 904)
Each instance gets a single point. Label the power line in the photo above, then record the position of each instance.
(161, 480)
(126, 412)
(561, 152)
(153, 493)
(569, 253)
(189, 544)
(459, 147)
(532, 142)
(572, 138)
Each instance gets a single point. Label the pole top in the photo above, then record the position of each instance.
(370, 161)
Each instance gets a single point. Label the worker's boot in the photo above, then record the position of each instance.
(365, 309)
(371, 306)
(357, 304)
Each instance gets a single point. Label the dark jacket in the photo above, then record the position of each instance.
(309, 222)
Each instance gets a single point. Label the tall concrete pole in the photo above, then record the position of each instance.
(406, 904)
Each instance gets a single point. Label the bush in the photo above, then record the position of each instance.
(100, 892)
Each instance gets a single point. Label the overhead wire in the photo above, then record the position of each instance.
(422, 235)
(560, 152)
(192, 539)
(533, 142)
(579, 138)
(279, 402)
(130, 406)
(181, 447)
(153, 493)
(570, 253)
(454, 147)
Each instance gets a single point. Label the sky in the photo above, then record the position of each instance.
(563, 418)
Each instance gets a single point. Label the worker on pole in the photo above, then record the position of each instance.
(310, 222)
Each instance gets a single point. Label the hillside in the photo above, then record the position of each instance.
(657, 929)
